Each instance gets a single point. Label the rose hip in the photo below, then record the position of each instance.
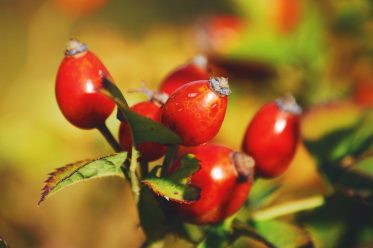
(196, 110)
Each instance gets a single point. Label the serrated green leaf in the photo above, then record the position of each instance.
(142, 128)
(171, 190)
(175, 186)
(81, 171)
(282, 234)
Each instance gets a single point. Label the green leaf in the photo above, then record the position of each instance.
(358, 176)
(242, 229)
(81, 171)
(142, 128)
(365, 166)
(262, 193)
(145, 130)
(339, 222)
(188, 166)
(332, 146)
(216, 237)
(175, 186)
(168, 159)
(152, 217)
(353, 141)
(283, 234)
(172, 190)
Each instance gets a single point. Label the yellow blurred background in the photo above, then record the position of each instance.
(296, 48)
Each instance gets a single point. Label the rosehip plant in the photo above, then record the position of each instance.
(196, 110)
(272, 136)
(204, 193)
(149, 151)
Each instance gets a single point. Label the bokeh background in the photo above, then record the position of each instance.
(318, 50)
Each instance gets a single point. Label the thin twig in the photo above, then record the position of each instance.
(103, 129)
(171, 151)
(135, 184)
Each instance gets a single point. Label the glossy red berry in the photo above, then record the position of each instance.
(79, 79)
(149, 151)
(195, 70)
(196, 110)
(272, 136)
(224, 180)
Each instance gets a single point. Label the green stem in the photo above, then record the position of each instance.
(288, 208)
(135, 184)
(104, 130)
(171, 151)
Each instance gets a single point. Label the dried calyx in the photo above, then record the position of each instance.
(200, 61)
(244, 165)
(75, 47)
(220, 85)
(288, 104)
(157, 97)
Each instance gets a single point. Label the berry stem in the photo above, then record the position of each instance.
(135, 184)
(109, 137)
(171, 151)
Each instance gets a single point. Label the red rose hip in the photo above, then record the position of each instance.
(195, 70)
(79, 79)
(149, 151)
(224, 180)
(196, 110)
(272, 136)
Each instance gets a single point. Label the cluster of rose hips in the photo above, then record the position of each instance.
(193, 105)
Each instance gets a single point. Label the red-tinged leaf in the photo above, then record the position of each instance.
(83, 170)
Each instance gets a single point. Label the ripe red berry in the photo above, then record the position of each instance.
(196, 110)
(195, 70)
(149, 151)
(272, 136)
(78, 80)
(224, 180)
